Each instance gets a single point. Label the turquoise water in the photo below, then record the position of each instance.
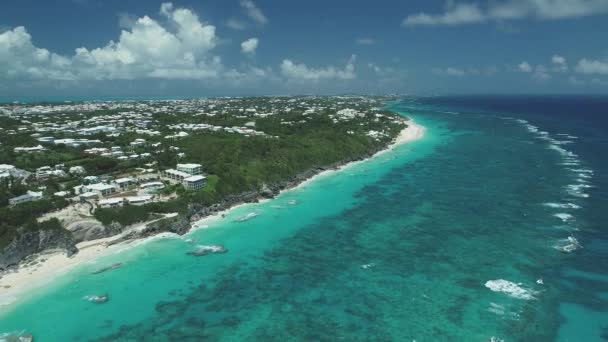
(398, 248)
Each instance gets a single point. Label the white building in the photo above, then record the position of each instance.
(124, 183)
(194, 182)
(101, 189)
(191, 169)
(38, 148)
(27, 197)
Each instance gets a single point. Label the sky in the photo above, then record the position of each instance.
(198, 48)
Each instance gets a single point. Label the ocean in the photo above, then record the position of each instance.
(492, 225)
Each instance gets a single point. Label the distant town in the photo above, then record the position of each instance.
(98, 169)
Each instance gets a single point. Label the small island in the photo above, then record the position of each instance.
(74, 173)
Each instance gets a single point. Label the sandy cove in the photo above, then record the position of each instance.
(50, 265)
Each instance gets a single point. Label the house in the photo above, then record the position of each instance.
(61, 193)
(191, 169)
(194, 182)
(91, 179)
(175, 175)
(27, 197)
(111, 202)
(101, 189)
(77, 170)
(38, 148)
(124, 183)
(138, 200)
(7, 171)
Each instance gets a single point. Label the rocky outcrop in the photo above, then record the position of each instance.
(27, 243)
(86, 230)
(178, 224)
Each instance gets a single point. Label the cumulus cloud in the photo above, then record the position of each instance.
(301, 72)
(470, 13)
(20, 59)
(559, 63)
(591, 67)
(146, 49)
(455, 14)
(254, 12)
(524, 67)
(249, 46)
(365, 41)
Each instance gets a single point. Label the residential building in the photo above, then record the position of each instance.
(175, 175)
(101, 189)
(194, 182)
(124, 183)
(191, 169)
(27, 197)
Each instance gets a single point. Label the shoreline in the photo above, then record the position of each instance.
(52, 264)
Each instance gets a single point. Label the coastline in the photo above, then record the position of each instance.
(14, 285)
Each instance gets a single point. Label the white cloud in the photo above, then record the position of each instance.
(254, 12)
(559, 63)
(146, 49)
(365, 41)
(449, 71)
(301, 72)
(249, 46)
(590, 67)
(235, 24)
(455, 14)
(470, 13)
(524, 67)
(20, 59)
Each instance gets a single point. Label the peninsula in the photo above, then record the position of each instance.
(85, 176)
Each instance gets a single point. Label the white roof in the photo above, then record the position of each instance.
(138, 198)
(195, 178)
(189, 166)
(111, 201)
(6, 167)
(88, 194)
(100, 187)
(124, 180)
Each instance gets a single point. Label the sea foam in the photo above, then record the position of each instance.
(510, 288)
(562, 205)
(563, 216)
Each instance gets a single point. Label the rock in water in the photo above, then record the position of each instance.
(204, 250)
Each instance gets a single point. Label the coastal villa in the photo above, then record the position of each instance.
(27, 197)
(191, 169)
(38, 148)
(190, 175)
(120, 201)
(194, 183)
(94, 190)
(124, 183)
(7, 171)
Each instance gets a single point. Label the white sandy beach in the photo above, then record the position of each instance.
(14, 285)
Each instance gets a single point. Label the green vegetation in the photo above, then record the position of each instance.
(292, 136)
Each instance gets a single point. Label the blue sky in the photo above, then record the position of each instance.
(264, 47)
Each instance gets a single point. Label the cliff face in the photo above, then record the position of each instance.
(27, 243)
